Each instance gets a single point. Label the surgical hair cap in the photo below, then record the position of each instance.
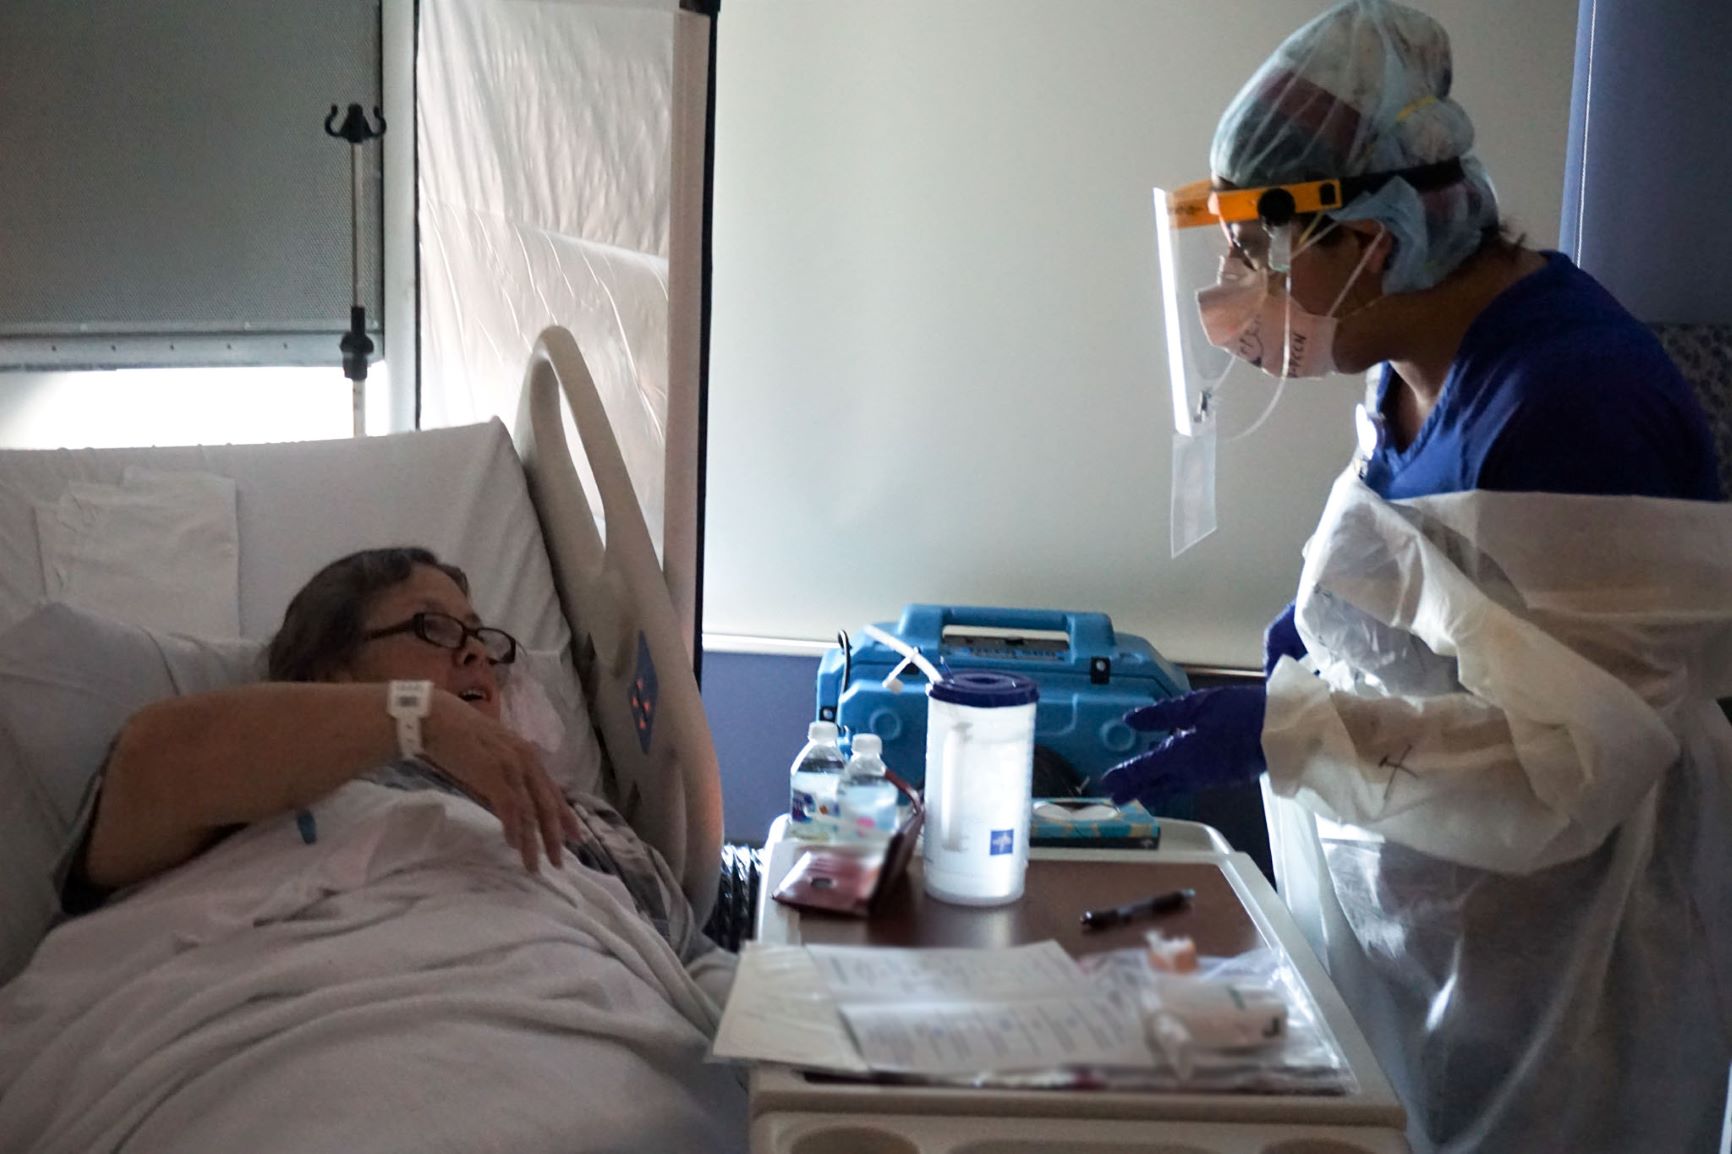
(1364, 88)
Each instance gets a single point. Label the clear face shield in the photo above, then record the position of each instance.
(1231, 332)
(1234, 331)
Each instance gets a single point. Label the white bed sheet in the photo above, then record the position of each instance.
(458, 491)
(400, 984)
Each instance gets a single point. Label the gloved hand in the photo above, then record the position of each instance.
(1280, 640)
(1216, 739)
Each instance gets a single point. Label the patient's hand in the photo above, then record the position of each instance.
(505, 774)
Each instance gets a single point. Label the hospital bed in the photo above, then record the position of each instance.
(586, 596)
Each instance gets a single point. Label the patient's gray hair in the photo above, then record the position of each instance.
(322, 629)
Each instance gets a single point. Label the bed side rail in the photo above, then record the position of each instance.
(626, 638)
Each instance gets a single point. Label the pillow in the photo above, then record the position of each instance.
(160, 550)
(69, 679)
(543, 704)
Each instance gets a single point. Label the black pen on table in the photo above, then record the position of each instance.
(1151, 907)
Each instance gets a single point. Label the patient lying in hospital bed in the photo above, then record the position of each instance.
(345, 951)
(297, 938)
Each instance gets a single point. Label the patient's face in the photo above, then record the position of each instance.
(465, 672)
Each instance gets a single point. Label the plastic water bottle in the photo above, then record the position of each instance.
(868, 800)
(812, 784)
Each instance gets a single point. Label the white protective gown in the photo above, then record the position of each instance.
(1501, 809)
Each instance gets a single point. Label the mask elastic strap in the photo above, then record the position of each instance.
(1283, 247)
(1263, 417)
(1306, 240)
(1357, 269)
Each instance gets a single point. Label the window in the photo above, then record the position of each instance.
(179, 406)
(178, 201)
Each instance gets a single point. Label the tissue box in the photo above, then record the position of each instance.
(1092, 823)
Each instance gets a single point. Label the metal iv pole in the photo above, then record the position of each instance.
(356, 345)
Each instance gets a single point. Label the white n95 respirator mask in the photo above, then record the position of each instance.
(1262, 325)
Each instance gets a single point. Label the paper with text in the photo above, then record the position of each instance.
(926, 1012)
(858, 974)
(779, 1011)
(998, 1037)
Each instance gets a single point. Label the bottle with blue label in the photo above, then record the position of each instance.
(868, 799)
(812, 784)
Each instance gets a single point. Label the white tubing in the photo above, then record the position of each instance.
(906, 650)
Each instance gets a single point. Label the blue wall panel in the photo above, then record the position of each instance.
(758, 707)
(1649, 168)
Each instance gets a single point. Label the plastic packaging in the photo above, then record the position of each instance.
(1201, 1051)
(867, 798)
(812, 784)
(1212, 1014)
(1171, 955)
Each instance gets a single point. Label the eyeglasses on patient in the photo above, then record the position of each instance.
(447, 632)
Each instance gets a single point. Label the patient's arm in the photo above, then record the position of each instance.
(187, 768)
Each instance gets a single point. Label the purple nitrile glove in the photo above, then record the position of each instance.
(1216, 739)
(1280, 640)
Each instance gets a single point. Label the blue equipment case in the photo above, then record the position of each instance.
(1088, 675)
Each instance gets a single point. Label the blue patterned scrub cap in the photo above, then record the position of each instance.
(1364, 88)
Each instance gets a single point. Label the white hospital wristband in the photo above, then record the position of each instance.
(408, 702)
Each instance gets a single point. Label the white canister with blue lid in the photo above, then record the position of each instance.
(979, 771)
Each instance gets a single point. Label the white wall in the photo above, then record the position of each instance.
(935, 355)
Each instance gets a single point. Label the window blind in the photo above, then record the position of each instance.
(168, 194)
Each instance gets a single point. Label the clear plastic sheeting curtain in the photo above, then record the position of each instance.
(546, 181)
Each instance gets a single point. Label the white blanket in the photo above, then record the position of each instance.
(401, 984)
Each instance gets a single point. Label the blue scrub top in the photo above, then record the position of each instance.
(1555, 389)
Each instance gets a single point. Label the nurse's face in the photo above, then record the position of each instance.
(1334, 270)
(1323, 282)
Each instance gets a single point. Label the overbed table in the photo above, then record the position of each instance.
(1235, 910)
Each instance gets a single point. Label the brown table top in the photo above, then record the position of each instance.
(1054, 897)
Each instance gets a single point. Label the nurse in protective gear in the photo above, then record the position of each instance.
(1500, 786)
